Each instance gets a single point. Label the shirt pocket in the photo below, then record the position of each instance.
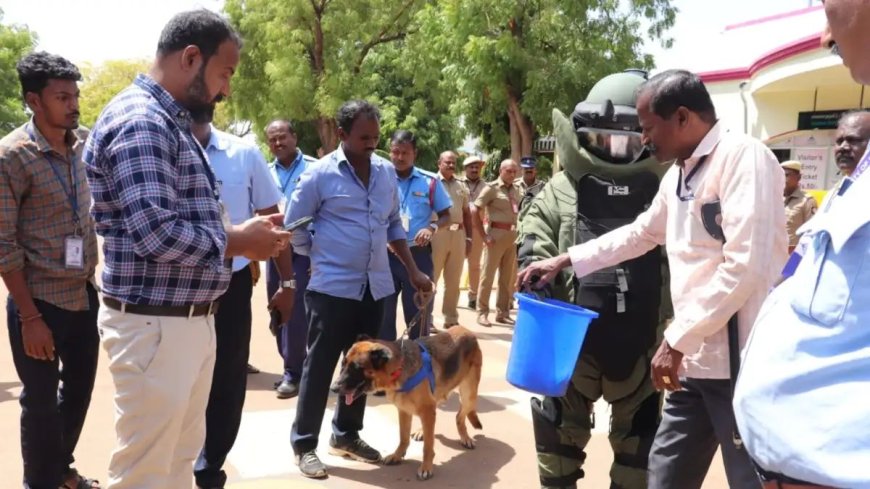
(828, 277)
(418, 205)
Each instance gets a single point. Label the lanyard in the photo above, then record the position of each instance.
(862, 166)
(71, 192)
(292, 172)
(688, 179)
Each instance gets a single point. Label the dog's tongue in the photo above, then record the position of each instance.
(348, 398)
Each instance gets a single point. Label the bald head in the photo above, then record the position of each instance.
(853, 132)
(508, 171)
(447, 164)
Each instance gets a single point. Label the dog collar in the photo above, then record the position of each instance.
(424, 373)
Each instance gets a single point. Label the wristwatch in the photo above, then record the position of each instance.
(433, 226)
(288, 284)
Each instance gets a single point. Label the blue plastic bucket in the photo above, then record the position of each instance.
(546, 343)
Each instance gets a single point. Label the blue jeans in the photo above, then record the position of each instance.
(423, 258)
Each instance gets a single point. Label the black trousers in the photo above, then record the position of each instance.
(54, 400)
(223, 416)
(333, 326)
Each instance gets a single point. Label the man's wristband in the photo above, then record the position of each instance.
(29, 318)
(288, 284)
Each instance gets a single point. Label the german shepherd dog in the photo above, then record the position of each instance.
(456, 361)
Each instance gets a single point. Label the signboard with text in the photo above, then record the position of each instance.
(814, 167)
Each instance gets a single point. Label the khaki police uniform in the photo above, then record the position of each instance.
(448, 249)
(501, 202)
(799, 208)
(476, 252)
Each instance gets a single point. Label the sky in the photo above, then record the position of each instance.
(93, 31)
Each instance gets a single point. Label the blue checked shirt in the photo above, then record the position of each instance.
(352, 225)
(155, 202)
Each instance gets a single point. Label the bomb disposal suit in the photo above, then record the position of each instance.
(608, 178)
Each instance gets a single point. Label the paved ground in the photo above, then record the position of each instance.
(261, 459)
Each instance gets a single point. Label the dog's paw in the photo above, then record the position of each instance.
(417, 435)
(424, 474)
(393, 459)
(467, 442)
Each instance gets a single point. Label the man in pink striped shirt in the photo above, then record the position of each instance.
(718, 213)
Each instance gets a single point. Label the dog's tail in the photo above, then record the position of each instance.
(474, 420)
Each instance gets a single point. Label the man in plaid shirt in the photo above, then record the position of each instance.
(167, 249)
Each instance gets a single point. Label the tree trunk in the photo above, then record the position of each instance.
(328, 133)
(522, 132)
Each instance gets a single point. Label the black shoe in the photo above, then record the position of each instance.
(252, 369)
(379, 394)
(334, 388)
(311, 466)
(472, 304)
(355, 449)
(287, 389)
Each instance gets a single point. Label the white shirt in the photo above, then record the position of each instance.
(710, 280)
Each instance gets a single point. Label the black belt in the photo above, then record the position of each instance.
(173, 311)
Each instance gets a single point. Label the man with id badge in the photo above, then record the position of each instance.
(285, 276)
(421, 194)
(48, 254)
(718, 212)
(799, 401)
(169, 244)
(246, 190)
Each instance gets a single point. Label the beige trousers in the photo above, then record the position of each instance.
(474, 257)
(448, 255)
(501, 257)
(162, 369)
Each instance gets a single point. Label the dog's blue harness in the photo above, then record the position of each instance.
(424, 373)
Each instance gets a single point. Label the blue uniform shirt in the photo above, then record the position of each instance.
(352, 225)
(243, 175)
(801, 401)
(286, 179)
(416, 205)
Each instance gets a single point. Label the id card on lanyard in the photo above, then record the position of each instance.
(74, 244)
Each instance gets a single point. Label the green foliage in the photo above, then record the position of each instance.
(15, 42)
(544, 53)
(303, 58)
(102, 82)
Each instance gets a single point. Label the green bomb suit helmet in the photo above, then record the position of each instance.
(603, 136)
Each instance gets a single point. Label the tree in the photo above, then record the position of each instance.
(102, 82)
(511, 63)
(15, 42)
(303, 58)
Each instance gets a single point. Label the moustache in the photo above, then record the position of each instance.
(74, 114)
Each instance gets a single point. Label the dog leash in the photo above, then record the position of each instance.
(421, 300)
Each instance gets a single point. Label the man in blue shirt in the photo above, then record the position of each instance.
(157, 205)
(246, 189)
(420, 195)
(799, 402)
(351, 193)
(290, 333)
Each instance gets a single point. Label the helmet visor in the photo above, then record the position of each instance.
(611, 145)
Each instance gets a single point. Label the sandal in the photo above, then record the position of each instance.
(76, 481)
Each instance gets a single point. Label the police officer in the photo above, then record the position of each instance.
(451, 245)
(472, 166)
(608, 180)
(530, 184)
(420, 195)
(501, 201)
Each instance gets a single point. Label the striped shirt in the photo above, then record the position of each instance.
(36, 216)
(156, 202)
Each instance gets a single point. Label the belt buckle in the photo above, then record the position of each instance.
(513, 227)
(454, 227)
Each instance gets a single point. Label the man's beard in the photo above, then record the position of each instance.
(198, 103)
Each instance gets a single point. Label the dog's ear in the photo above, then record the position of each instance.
(379, 357)
(363, 337)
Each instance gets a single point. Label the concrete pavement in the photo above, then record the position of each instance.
(262, 458)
